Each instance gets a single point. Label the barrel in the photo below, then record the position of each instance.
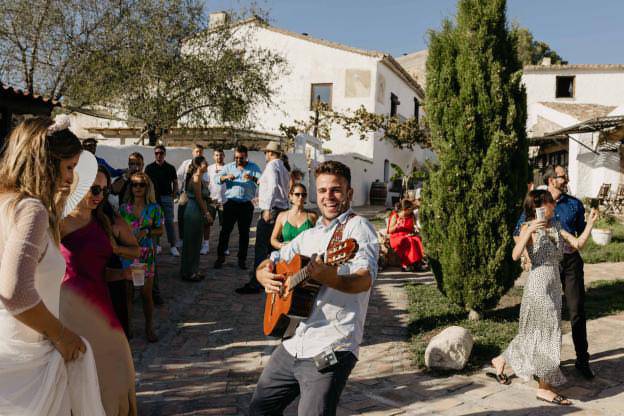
(378, 193)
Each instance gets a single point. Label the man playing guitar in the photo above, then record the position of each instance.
(317, 360)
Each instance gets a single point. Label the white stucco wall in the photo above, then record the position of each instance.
(384, 150)
(311, 63)
(604, 87)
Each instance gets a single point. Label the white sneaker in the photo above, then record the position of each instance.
(205, 248)
(174, 252)
(158, 249)
(227, 252)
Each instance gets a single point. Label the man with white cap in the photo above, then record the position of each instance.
(273, 188)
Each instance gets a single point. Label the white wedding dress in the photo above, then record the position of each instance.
(34, 379)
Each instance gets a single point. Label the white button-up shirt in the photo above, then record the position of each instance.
(273, 186)
(183, 170)
(217, 189)
(337, 319)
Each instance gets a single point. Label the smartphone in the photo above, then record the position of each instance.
(594, 203)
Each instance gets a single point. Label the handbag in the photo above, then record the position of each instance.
(183, 199)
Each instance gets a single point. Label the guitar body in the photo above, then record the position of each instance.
(283, 312)
(296, 305)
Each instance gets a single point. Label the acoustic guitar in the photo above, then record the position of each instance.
(283, 311)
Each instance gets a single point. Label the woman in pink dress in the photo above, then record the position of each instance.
(87, 244)
(403, 238)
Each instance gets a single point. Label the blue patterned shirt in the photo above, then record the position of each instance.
(240, 189)
(570, 213)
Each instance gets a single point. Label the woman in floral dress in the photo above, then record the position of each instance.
(145, 217)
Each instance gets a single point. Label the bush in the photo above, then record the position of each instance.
(612, 252)
(476, 108)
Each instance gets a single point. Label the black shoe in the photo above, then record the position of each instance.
(219, 263)
(585, 370)
(248, 289)
(158, 300)
(242, 265)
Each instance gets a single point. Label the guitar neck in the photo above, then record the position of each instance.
(303, 274)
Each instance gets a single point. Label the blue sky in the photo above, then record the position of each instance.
(581, 31)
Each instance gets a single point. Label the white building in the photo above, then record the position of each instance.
(560, 96)
(344, 78)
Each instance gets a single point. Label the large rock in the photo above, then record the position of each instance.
(450, 349)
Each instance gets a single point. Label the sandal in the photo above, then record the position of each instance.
(558, 400)
(193, 278)
(500, 378)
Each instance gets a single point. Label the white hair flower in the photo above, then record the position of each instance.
(61, 122)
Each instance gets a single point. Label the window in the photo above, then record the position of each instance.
(565, 87)
(416, 108)
(386, 170)
(394, 104)
(321, 93)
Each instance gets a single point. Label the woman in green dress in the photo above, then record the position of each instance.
(289, 224)
(196, 214)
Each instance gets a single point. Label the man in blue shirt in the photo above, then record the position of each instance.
(241, 180)
(90, 145)
(570, 213)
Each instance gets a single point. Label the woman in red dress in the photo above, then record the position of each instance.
(403, 239)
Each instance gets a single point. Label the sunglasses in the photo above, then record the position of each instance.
(97, 189)
(300, 194)
(139, 184)
(159, 153)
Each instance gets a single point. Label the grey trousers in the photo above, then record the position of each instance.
(286, 377)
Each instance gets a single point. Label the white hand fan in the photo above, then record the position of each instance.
(84, 176)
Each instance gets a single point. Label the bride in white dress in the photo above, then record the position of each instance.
(45, 369)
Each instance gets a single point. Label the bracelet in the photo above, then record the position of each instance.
(60, 337)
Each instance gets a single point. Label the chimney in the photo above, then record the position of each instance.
(218, 19)
(546, 61)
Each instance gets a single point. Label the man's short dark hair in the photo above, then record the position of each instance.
(334, 167)
(89, 141)
(549, 173)
(241, 148)
(199, 146)
(160, 147)
(135, 155)
(218, 149)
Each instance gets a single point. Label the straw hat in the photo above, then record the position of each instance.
(273, 147)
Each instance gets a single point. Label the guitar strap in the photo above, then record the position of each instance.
(337, 236)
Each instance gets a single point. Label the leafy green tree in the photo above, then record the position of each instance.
(156, 62)
(476, 111)
(531, 51)
(172, 70)
(43, 42)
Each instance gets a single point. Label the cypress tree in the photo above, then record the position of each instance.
(476, 111)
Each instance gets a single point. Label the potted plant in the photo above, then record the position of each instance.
(601, 233)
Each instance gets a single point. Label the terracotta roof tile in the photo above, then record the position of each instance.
(581, 112)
